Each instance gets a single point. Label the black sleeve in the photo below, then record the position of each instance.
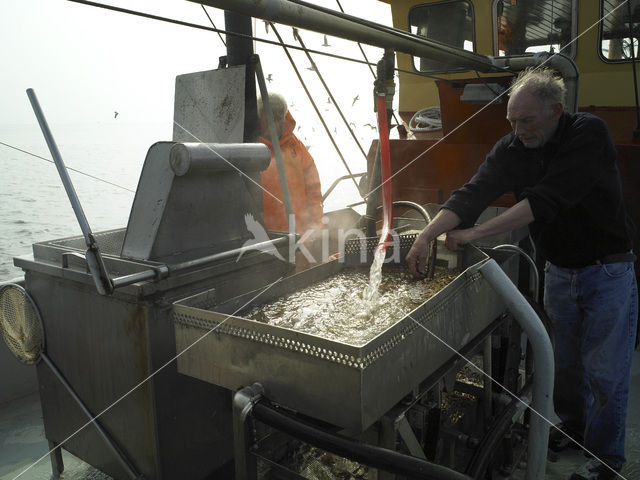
(575, 168)
(490, 181)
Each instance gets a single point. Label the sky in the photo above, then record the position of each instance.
(85, 63)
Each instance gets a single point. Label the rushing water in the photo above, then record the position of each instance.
(370, 294)
(335, 308)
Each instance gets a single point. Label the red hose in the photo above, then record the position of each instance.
(385, 170)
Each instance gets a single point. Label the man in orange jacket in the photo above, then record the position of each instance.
(302, 175)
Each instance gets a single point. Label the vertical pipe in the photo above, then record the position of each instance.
(636, 131)
(543, 361)
(487, 387)
(239, 52)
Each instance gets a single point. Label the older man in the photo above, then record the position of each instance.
(561, 167)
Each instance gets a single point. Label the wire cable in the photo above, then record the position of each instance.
(364, 55)
(213, 24)
(296, 35)
(251, 37)
(70, 168)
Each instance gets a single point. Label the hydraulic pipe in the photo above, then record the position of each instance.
(532, 266)
(416, 206)
(374, 456)
(543, 361)
(353, 28)
(385, 170)
(564, 65)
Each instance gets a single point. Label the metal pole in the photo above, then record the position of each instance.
(96, 264)
(636, 131)
(124, 462)
(543, 360)
(356, 29)
(62, 169)
(275, 143)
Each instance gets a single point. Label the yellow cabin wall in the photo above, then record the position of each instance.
(601, 83)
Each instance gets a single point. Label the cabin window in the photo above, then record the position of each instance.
(449, 22)
(525, 26)
(619, 31)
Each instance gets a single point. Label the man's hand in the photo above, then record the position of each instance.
(417, 256)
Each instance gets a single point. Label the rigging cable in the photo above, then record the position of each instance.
(257, 39)
(69, 168)
(313, 103)
(213, 24)
(296, 35)
(368, 64)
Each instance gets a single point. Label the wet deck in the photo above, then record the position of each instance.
(23, 446)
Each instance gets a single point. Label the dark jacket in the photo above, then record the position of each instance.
(573, 187)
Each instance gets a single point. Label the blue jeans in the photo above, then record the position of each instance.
(594, 311)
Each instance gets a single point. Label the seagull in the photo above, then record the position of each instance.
(266, 26)
(369, 125)
(312, 68)
(357, 97)
(326, 42)
(115, 114)
(269, 78)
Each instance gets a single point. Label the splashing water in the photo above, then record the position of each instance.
(334, 308)
(370, 294)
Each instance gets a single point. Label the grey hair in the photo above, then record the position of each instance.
(279, 109)
(542, 83)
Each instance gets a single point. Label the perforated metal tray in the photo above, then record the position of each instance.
(348, 386)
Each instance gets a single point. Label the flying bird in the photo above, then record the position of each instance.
(269, 78)
(326, 42)
(357, 97)
(115, 114)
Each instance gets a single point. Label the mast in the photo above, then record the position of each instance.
(239, 52)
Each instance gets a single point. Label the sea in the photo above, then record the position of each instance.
(34, 206)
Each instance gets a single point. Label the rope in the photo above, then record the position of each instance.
(313, 103)
(69, 168)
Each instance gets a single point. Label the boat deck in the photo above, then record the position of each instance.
(23, 445)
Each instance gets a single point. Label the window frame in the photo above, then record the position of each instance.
(473, 36)
(573, 50)
(600, 40)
